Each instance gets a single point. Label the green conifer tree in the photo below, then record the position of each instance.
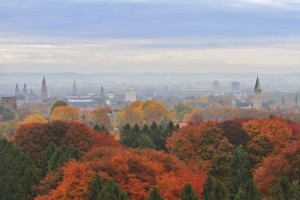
(155, 195)
(240, 170)
(188, 193)
(95, 188)
(209, 189)
(221, 192)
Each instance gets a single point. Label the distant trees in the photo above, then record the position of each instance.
(35, 118)
(57, 104)
(188, 193)
(17, 173)
(145, 113)
(66, 113)
(181, 110)
(7, 113)
(106, 191)
(33, 139)
(101, 119)
(153, 136)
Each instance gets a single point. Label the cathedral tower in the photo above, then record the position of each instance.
(44, 91)
(74, 93)
(257, 100)
(17, 92)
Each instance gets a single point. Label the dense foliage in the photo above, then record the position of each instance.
(17, 173)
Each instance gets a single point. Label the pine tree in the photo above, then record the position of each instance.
(111, 191)
(97, 128)
(95, 188)
(251, 192)
(240, 170)
(240, 195)
(221, 192)
(295, 191)
(209, 189)
(188, 193)
(155, 195)
(17, 173)
(282, 189)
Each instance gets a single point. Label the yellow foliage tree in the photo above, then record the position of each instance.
(145, 113)
(35, 118)
(66, 113)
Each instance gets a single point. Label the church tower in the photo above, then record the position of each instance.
(17, 92)
(25, 90)
(44, 91)
(74, 93)
(257, 101)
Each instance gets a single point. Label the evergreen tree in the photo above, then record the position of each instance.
(97, 128)
(188, 193)
(221, 192)
(155, 195)
(240, 170)
(50, 150)
(209, 189)
(240, 195)
(282, 189)
(295, 191)
(17, 173)
(111, 191)
(251, 192)
(57, 104)
(95, 188)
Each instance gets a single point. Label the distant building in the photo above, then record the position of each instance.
(74, 92)
(110, 95)
(81, 102)
(216, 86)
(17, 92)
(130, 95)
(9, 102)
(44, 90)
(235, 87)
(257, 100)
(102, 92)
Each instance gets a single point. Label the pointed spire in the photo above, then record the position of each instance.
(74, 93)
(17, 90)
(257, 87)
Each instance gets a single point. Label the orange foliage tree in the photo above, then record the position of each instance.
(286, 163)
(203, 146)
(33, 139)
(65, 113)
(136, 172)
(267, 136)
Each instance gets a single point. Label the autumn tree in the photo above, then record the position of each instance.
(145, 113)
(17, 173)
(35, 118)
(33, 139)
(195, 116)
(100, 117)
(57, 104)
(285, 163)
(188, 193)
(181, 110)
(66, 113)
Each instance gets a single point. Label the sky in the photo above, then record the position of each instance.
(95, 36)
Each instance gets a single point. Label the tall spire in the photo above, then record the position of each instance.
(257, 87)
(17, 92)
(25, 90)
(44, 90)
(74, 93)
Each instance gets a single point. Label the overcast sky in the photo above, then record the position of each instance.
(150, 36)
